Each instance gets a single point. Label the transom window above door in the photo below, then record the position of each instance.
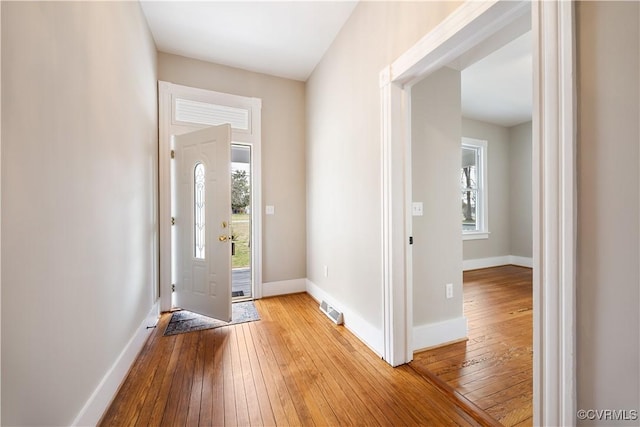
(205, 113)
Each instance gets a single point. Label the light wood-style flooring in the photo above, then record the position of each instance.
(494, 368)
(293, 367)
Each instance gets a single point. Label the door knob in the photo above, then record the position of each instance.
(224, 237)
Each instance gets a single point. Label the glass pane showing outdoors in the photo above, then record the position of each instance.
(469, 186)
(198, 211)
(469, 210)
(241, 221)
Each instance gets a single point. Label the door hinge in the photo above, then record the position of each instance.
(411, 240)
(173, 288)
(173, 154)
(173, 220)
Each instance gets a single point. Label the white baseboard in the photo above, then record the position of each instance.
(283, 287)
(475, 264)
(434, 334)
(521, 261)
(102, 396)
(371, 336)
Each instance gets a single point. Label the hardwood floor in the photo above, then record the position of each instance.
(293, 367)
(494, 368)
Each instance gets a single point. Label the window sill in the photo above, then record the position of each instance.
(477, 235)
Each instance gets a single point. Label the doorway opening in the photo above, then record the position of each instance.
(553, 189)
(241, 224)
(463, 167)
(495, 370)
(182, 110)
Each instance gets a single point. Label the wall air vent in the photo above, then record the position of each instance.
(331, 312)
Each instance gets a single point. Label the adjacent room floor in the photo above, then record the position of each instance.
(293, 367)
(494, 368)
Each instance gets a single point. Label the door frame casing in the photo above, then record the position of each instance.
(554, 187)
(167, 93)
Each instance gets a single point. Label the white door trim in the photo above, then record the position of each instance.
(553, 187)
(167, 127)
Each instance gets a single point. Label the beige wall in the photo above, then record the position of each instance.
(79, 204)
(520, 191)
(608, 232)
(283, 154)
(435, 155)
(343, 150)
(497, 137)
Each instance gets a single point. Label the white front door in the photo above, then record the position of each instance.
(202, 208)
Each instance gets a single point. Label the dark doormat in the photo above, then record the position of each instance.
(237, 294)
(185, 321)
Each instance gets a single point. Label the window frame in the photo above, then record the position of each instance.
(482, 204)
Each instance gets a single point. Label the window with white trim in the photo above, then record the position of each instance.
(473, 189)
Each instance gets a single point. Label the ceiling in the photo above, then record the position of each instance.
(499, 88)
(284, 39)
(289, 38)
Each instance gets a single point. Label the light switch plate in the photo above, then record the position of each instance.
(270, 210)
(417, 209)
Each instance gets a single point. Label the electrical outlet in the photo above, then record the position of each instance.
(326, 271)
(449, 290)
